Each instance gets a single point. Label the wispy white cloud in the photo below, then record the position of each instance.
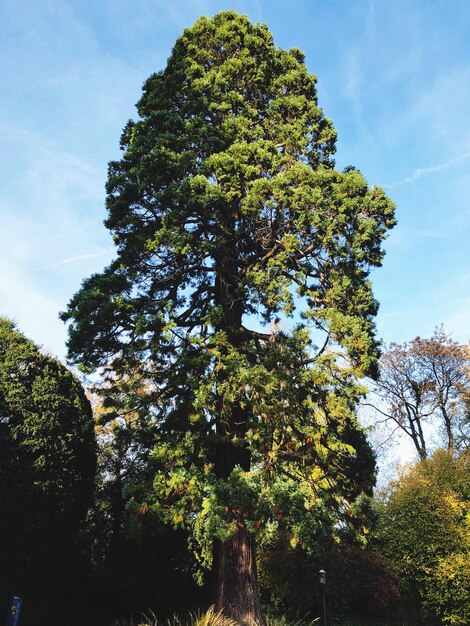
(258, 10)
(453, 305)
(51, 203)
(79, 257)
(34, 311)
(181, 13)
(51, 235)
(353, 73)
(451, 226)
(426, 171)
(371, 22)
(456, 320)
(394, 314)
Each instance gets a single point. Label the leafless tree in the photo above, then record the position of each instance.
(426, 382)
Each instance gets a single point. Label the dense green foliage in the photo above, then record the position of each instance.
(424, 534)
(47, 466)
(237, 243)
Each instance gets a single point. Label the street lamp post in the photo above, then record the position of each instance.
(322, 574)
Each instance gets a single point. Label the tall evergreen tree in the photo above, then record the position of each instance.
(238, 246)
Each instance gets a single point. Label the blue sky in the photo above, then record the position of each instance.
(394, 76)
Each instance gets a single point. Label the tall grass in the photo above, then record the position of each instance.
(209, 618)
(213, 618)
(276, 620)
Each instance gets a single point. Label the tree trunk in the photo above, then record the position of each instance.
(235, 584)
(448, 428)
(234, 578)
(416, 431)
(118, 507)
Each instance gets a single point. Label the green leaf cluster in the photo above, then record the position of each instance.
(424, 533)
(46, 423)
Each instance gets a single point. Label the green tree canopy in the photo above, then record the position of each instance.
(424, 534)
(239, 247)
(47, 466)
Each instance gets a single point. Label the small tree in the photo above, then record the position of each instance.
(229, 219)
(47, 467)
(424, 534)
(425, 385)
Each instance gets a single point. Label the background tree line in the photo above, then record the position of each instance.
(100, 552)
